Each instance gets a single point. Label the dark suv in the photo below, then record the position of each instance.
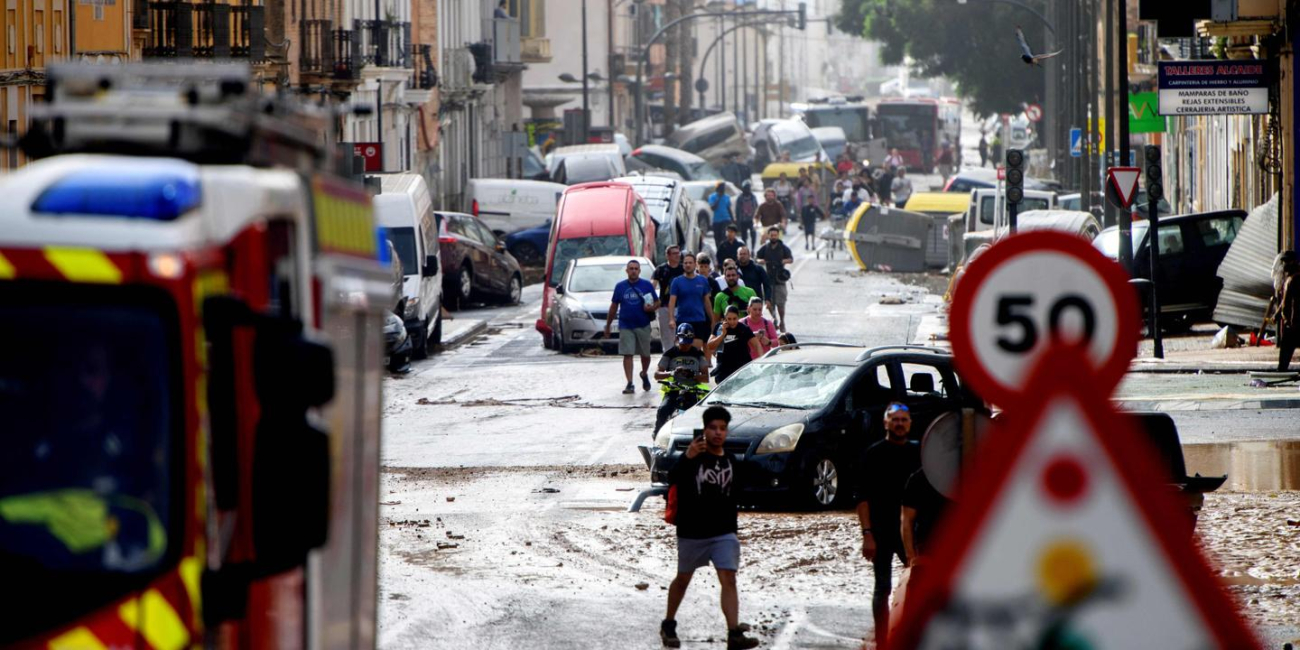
(802, 415)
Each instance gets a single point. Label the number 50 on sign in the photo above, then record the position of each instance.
(1030, 292)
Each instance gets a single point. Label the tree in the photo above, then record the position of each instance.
(972, 44)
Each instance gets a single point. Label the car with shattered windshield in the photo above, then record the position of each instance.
(802, 415)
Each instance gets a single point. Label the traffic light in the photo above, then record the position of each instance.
(802, 22)
(1015, 176)
(1155, 191)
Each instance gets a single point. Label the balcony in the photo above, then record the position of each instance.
(457, 76)
(535, 49)
(383, 44)
(426, 76)
(205, 30)
(316, 55)
(505, 41)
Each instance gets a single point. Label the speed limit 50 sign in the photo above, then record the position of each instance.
(1033, 291)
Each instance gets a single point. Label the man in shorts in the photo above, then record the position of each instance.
(705, 479)
(776, 256)
(634, 304)
(688, 301)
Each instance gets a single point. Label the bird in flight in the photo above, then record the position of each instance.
(1027, 55)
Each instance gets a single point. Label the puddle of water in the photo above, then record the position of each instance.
(1255, 466)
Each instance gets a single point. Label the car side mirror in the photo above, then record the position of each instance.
(290, 469)
(431, 265)
(500, 247)
(559, 290)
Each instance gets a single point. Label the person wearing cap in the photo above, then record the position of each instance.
(882, 477)
(685, 361)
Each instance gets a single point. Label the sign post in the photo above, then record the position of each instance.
(1154, 192)
(1067, 538)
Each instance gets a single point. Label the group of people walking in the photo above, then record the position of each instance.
(897, 509)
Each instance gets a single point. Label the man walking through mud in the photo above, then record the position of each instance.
(705, 480)
(885, 468)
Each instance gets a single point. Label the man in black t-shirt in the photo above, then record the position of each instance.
(882, 476)
(663, 279)
(705, 482)
(734, 343)
(923, 506)
(775, 256)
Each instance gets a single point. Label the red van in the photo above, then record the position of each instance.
(593, 219)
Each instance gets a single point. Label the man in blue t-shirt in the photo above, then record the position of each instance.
(634, 301)
(688, 301)
(720, 203)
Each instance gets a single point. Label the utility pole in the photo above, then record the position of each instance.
(722, 62)
(736, 74)
(1121, 79)
(609, 61)
(586, 108)
(1108, 83)
(780, 70)
(744, 76)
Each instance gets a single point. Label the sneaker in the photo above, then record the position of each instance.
(629, 389)
(736, 640)
(668, 634)
(645, 382)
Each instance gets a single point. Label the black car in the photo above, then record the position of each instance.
(802, 415)
(1191, 248)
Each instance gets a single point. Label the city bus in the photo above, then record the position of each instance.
(918, 127)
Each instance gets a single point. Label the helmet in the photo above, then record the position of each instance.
(685, 333)
(746, 185)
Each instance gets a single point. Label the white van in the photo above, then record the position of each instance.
(984, 212)
(405, 210)
(509, 205)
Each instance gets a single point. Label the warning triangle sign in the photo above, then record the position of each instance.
(1064, 536)
(1124, 181)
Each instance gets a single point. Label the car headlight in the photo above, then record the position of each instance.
(781, 439)
(412, 308)
(664, 439)
(393, 325)
(575, 310)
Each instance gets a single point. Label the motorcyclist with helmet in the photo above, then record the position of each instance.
(684, 373)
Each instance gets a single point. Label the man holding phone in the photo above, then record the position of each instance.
(705, 478)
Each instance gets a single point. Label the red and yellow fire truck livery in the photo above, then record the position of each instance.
(190, 375)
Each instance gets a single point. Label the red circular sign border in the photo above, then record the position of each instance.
(1107, 377)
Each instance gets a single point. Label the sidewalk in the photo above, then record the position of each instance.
(460, 329)
(1184, 353)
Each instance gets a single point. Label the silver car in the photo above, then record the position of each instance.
(577, 315)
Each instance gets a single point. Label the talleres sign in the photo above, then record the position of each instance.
(1214, 87)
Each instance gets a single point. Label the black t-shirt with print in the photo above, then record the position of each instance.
(882, 477)
(663, 277)
(733, 352)
(706, 495)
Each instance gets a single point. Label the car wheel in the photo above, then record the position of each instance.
(558, 343)
(527, 254)
(464, 286)
(420, 341)
(824, 490)
(515, 291)
(435, 338)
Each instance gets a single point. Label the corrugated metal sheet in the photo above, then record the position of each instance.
(936, 242)
(890, 239)
(1247, 269)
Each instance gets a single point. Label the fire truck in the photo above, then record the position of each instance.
(191, 307)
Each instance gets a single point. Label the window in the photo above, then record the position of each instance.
(13, 152)
(484, 234)
(1218, 232)
(638, 228)
(872, 389)
(921, 380)
(1171, 240)
(99, 12)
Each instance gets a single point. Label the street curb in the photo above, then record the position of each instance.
(1163, 405)
(1218, 368)
(464, 336)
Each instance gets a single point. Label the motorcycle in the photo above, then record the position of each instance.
(680, 393)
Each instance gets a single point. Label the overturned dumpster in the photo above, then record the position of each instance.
(881, 238)
(1247, 269)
